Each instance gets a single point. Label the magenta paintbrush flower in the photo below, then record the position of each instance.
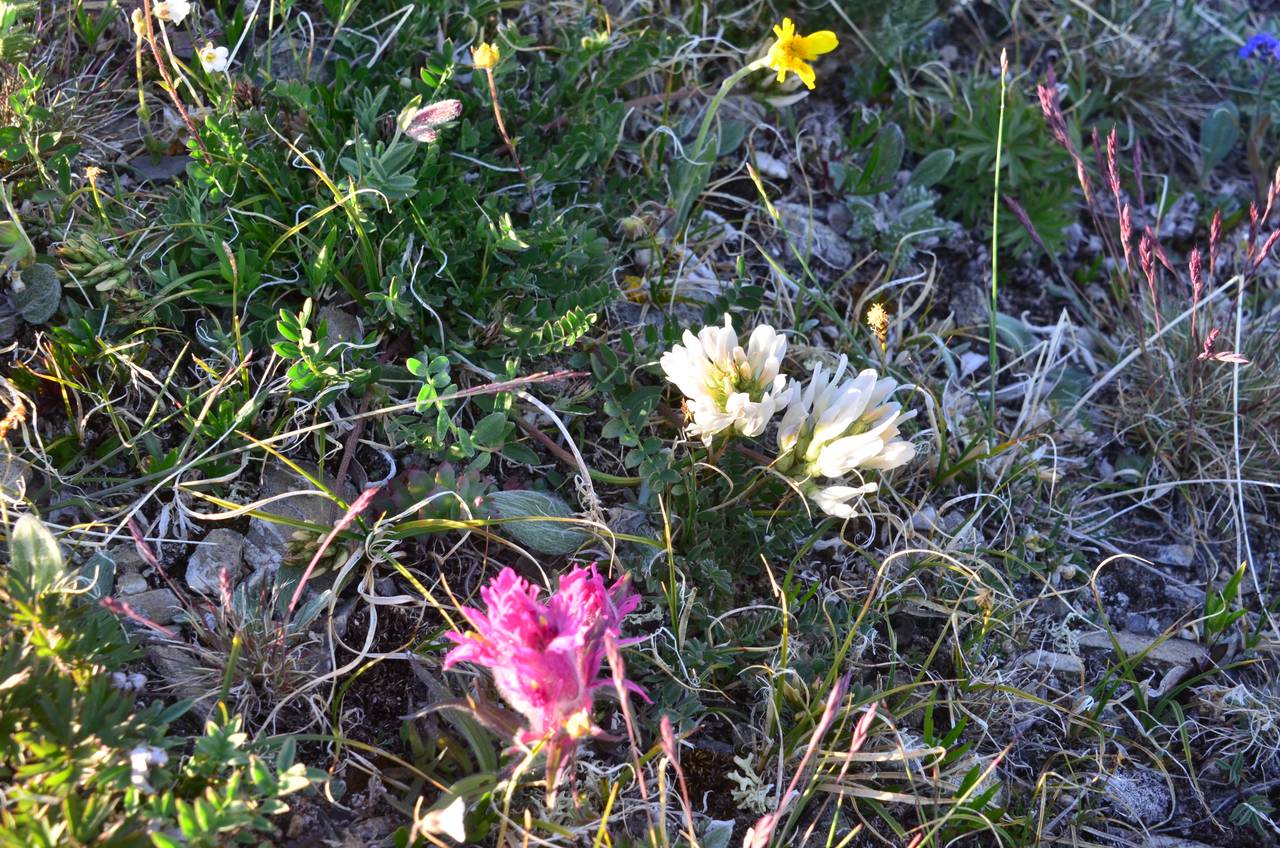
(546, 657)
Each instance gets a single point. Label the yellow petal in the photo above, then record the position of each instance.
(788, 29)
(812, 46)
(806, 74)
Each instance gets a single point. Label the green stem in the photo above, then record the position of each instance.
(995, 234)
(699, 164)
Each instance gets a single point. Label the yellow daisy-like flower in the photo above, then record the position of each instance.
(792, 52)
(485, 56)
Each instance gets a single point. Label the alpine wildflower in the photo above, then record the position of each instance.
(423, 124)
(485, 56)
(833, 429)
(793, 52)
(171, 11)
(727, 387)
(1263, 42)
(878, 321)
(141, 759)
(546, 656)
(214, 59)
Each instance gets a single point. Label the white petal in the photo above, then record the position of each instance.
(834, 500)
(894, 454)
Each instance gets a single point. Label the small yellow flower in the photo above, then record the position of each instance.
(878, 321)
(92, 173)
(578, 725)
(793, 52)
(486, 56)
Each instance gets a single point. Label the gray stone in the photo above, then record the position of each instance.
(159, 169)
(126, 557)
(267, 541)
(176, 669)
(1180, 555)
(158, 605)
(1173, 650)
(810, 233)
(131, 583)
(340, 326)
(1052, 661)
(1135, 622)
(220, 549)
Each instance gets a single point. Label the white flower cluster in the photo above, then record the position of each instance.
(832, 428)
(729, 388)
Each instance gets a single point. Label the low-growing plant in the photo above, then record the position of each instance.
(82, 761)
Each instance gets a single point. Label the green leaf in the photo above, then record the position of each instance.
(37, 293)
(549, 537)
(1218, 135)
(100, 571)
(883, 162)
(36, 560)
(490, 430)
(932, 168)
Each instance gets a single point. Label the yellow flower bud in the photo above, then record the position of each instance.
(486, 56)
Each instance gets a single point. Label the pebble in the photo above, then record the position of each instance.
(220, 549)
(1180, 555)
(158, 605)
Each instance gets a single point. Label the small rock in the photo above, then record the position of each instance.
(175, 667)
(130, 583)
(127, 558)
(1139, 795)
(1175, 651)
(1135, 622)
(159, 170)
(158, 605)
(770, 166)
(220, 549)
(267, 541)
(839, 217)
(1052, 661)
(924, 519)
(811, 234)
(1172, 842)
(1180, 555)
(340, 326)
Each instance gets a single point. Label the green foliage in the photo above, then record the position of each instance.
(318, 366)
(30, 144)
(1218, 136)
(1035, 172)
(629, 408)
(80, 762)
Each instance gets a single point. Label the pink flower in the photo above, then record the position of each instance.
(546, 657)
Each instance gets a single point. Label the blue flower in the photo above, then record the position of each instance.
(1262, 41)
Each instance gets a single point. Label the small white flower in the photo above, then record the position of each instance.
(141, 759)
(835, 428)
(128, 682)
(172, 11)
(725, 385)
(214, 59)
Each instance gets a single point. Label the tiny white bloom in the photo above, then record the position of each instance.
(835, 428)
(214, 59)
(173, 11)
(725, 385)
(141, 759)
